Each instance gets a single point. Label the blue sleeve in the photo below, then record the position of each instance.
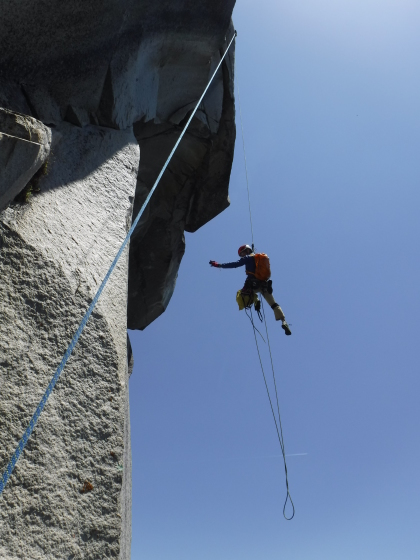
(236, 264)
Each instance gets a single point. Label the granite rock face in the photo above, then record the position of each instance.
(93, 96)
(54, 252)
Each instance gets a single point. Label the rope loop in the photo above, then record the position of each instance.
(289, 498)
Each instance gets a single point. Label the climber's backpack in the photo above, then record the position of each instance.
(262, 267)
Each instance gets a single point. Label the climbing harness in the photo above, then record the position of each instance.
(248, 311)
(21, 445)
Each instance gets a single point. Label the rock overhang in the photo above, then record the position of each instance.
(143, 64)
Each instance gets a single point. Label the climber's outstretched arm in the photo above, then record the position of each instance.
(236, 264)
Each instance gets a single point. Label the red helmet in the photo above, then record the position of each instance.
(243, 248)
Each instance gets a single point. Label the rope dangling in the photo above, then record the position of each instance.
(279, 428)
(278, 425)
(251, 318)
(246, 171)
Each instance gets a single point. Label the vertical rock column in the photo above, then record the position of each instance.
(70, 494)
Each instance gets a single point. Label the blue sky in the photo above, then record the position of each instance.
(329, 94)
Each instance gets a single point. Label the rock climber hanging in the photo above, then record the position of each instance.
(257, 268)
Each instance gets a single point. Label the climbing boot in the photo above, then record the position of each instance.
(257, 305)
(286, 329)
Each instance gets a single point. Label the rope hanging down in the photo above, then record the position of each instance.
(279, 428)
(246, 170)
(40, 408)
(278, 425)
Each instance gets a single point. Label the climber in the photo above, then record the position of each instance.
(258, 273)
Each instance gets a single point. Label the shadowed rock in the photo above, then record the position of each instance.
(24, 146)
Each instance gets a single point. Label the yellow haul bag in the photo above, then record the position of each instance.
(245, 300)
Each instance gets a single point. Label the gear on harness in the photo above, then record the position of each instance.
(246, 298)
(258, 310)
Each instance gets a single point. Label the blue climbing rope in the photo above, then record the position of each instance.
(43, 402)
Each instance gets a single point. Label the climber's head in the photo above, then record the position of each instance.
(244, 250)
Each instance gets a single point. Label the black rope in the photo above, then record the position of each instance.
(246, 168)
(279, 428)
(250, 317)
(280, 434)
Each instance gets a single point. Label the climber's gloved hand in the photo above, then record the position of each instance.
(214, 263)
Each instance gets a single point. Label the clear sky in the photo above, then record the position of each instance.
(330, 94)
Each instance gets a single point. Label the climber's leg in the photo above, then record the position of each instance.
(278, 313)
